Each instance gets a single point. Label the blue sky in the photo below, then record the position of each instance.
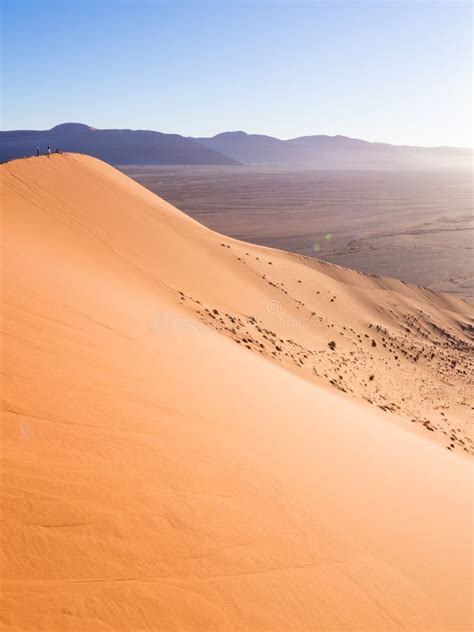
(395, 71)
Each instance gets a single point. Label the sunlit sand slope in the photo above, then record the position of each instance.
(200, 434)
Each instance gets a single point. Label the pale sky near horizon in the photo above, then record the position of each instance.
(398, 72)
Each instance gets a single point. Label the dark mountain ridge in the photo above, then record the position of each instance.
(115, 146)
(145, 147)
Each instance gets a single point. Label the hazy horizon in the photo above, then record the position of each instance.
(240, 131)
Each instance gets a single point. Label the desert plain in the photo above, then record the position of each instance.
(413, 225)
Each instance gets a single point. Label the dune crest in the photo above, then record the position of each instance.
(203, 434)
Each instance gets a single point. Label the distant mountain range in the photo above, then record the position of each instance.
(115, 146)
(143, 147)
(334, 152)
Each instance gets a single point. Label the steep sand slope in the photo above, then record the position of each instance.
(166, 467)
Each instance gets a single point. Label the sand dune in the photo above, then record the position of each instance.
(202, 434)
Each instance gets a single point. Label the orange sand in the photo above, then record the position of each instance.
(182, 450)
